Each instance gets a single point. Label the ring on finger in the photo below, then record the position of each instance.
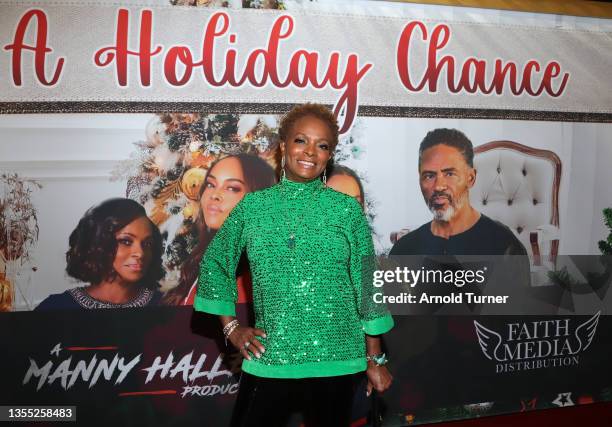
(247, 344)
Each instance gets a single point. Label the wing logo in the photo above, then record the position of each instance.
(536, 340)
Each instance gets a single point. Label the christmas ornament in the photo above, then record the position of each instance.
(192, 182)
(191, 210)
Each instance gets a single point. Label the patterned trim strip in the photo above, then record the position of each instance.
(87, 301)
(268, 108)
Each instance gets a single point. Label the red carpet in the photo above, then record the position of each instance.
(592, 415)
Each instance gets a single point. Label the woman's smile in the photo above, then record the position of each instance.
(306, 164)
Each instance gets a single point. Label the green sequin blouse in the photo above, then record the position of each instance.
(309, 249)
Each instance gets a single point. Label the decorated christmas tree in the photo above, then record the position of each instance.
(166, 171)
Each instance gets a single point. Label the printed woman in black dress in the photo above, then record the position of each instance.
(117, 250)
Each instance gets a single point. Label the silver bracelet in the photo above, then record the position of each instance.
(229, 328)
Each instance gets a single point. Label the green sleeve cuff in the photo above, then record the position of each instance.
(378, 326)
(221, 308)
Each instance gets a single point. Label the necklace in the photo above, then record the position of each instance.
(313, 189)
(85, 300)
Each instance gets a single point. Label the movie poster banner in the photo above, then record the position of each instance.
(111, 110)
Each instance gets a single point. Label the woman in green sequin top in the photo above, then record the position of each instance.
(315, 322)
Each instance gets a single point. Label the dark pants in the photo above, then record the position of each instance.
(269, 402)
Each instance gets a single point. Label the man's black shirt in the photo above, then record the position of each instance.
(486, 237)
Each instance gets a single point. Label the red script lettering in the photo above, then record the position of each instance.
(40, 49)
(473, 72)
(306, 68)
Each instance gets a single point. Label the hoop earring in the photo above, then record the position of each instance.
(325, 175)
(282, 171)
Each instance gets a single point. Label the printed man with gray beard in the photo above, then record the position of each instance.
(446, 174)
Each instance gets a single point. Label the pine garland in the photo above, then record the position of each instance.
(605, 246)
(594, 280)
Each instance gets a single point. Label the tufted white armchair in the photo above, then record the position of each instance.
(519, 186)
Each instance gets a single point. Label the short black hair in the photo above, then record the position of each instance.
(93, 245)
(318, 111)
(452, 138)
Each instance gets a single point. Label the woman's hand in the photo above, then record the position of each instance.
(379, 378)
(244, 339)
